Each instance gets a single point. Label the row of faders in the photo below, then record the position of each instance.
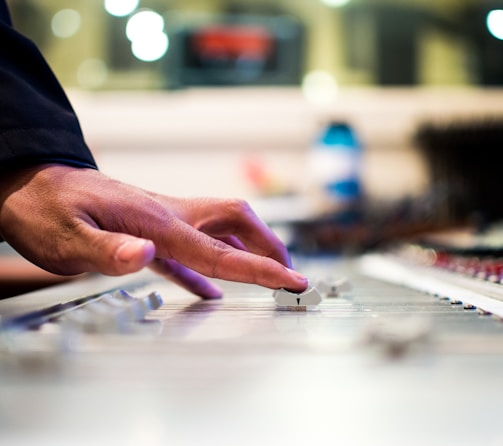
(39, 341)
(112, 313)
(483, 265)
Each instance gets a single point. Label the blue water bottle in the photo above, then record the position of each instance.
(335, 165)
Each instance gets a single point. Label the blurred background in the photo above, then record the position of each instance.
(151, 44)
(233, 97)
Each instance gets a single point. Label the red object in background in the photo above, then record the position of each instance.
(256, 172)
(233, 41)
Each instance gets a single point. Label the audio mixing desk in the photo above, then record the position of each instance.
(405, 356)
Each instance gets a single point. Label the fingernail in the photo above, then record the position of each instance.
(128, 250)
(297, 275)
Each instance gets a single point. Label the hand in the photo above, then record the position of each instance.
(70, 220)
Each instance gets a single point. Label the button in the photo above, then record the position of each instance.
(154, 300)
(138, 306)
(285, 298)
(333, 288)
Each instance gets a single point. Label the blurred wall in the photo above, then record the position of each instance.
(199, 141)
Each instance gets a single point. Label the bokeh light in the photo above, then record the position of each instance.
(335, 3)
(142, 23)
(495, 23)
(148, 40)
(121, 8)
(151, 47)
(65, 23)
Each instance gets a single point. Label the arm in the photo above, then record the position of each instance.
(37, 122)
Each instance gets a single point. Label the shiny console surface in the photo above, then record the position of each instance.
(379, 363)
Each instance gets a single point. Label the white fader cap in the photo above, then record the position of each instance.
(285, 298)
(333, 287)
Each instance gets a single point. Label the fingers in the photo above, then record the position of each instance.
(234, 242)
(241, 266)
(184, 256)
(246, 267)
(93, 223)
(251, 252)
(186, 278)
(214, 258)
(236, 219)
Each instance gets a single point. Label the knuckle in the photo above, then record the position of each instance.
(238, 207)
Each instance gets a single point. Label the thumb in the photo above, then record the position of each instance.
(115, 254)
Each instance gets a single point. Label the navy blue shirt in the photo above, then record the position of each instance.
(37, 122)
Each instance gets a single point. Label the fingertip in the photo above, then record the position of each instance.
(211, 292)
(299, 281)
(135, 253)
(149, 251)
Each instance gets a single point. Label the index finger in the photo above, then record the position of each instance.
(216, 259)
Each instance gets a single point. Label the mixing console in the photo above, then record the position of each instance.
(375, 363)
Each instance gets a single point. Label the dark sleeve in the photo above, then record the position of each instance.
(37, 122)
